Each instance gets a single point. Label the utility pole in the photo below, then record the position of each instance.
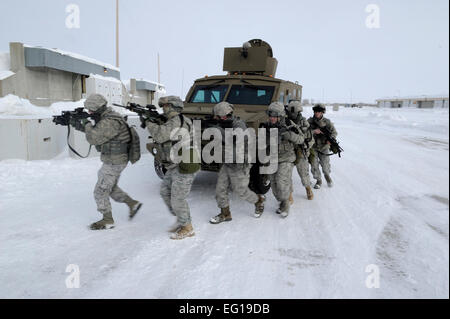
(117, 33)
(182, 84)
(159, 71)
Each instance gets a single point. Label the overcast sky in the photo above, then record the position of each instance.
(324, 45)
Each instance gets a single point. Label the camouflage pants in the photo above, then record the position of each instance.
(235, 177)
(324, 161)
(303, 171)
(175, 189)
(281, 181)
(106, 187)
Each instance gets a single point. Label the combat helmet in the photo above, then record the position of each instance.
(95, 102)
(276, 109)
(295, 107)
(175, 102)
(319, 108)
(223, 109)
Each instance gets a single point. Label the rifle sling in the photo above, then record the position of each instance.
(72, 149)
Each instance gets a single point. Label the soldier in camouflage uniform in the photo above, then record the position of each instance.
(281, 180)
(321, 147)
(178, 178)
(111, 137)
(295, 110)
(232, 174)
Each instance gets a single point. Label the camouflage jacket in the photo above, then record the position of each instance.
(234, 145)
(287, 144)
(167, 134)
(320, 140)
(111, 137)
(304, 126)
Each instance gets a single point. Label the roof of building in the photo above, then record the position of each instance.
(142, 84)
(67, 61)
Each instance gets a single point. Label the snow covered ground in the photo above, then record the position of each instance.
(389, 207)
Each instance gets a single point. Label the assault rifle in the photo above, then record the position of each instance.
(77, 114)
(334, 144)
(148, 112)
(74, 116)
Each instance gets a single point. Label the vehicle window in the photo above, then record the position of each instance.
(250, 94)
(208, 93)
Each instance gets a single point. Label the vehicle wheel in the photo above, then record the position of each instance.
(160, 169)
(259, 183)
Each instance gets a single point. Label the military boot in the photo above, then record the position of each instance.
(259, 206)
(224, 216)
(134, 207)
(183, 232)
(106, 223)
(329, 180)
(284, 209)
(309, 192)
(291, 199)
(318, 184)
(174, 228)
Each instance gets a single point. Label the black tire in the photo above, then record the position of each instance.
(259, 183)
(159, 169)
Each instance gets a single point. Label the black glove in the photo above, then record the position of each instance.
(143, 121)
(79, 125)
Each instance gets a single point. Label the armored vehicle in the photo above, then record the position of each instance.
(250, 85)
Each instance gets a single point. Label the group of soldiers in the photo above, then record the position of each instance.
(301, 144)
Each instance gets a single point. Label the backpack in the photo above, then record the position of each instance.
(134, 147)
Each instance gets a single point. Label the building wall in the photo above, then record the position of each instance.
(41, 86)
(31, 139)
(441, 104)
(111, 89)
(142, 97)
(427, 103)
(8, 85)
(44, 86)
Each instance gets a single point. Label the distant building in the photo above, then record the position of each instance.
(144, 92)
(45, 76)
(431, 101)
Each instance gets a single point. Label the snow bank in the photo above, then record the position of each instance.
(12, 106)
(415, 120)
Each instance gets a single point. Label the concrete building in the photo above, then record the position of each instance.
(432, 101)
(144, 92)
(45, 76)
